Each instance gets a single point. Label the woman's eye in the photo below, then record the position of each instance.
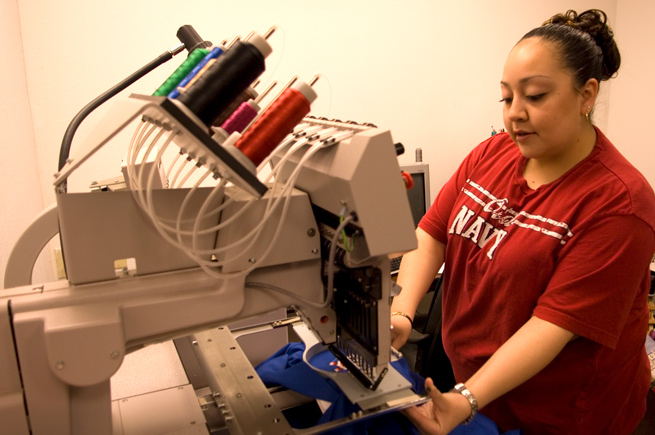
(505, 100)
(535, 97)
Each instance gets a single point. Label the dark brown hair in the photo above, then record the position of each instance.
(585, 44)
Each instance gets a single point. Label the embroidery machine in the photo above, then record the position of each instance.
(158, 261)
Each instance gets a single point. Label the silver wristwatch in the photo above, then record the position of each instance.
(461, 388)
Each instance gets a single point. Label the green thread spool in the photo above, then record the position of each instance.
(181, 72)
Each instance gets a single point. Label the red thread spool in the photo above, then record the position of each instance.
(278, 121)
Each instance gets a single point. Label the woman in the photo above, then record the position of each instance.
(547, 233)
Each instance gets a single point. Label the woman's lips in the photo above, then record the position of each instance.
(520, 134)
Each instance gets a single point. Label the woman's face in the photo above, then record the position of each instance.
(543, 112)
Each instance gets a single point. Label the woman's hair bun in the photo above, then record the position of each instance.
(594, 23)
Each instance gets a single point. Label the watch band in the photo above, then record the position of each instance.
(461, 388)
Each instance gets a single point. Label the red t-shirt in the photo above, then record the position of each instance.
(574, 252)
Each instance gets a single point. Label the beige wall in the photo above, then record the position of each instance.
(631, 111)
(427, 70)
(20, 186)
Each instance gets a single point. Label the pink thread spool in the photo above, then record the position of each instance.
(241, 117)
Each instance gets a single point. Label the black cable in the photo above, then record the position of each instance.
(64, 151)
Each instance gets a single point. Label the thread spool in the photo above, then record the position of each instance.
(226, 79)
(197, 76)
(182, 71)
(240, 119)
(278, 121)
(213, 54)
(247, 95)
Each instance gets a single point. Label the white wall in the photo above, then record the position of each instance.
(427, 70)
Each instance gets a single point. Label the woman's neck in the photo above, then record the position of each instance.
(538, 172)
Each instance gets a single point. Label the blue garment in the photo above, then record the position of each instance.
(286, 368)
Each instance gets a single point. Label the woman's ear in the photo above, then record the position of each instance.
(589, 92)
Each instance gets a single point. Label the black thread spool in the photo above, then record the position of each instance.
(224, 81)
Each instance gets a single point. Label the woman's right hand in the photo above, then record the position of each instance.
(400, 330)
(440, 415)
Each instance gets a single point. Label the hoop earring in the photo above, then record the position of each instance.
(587, 114)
